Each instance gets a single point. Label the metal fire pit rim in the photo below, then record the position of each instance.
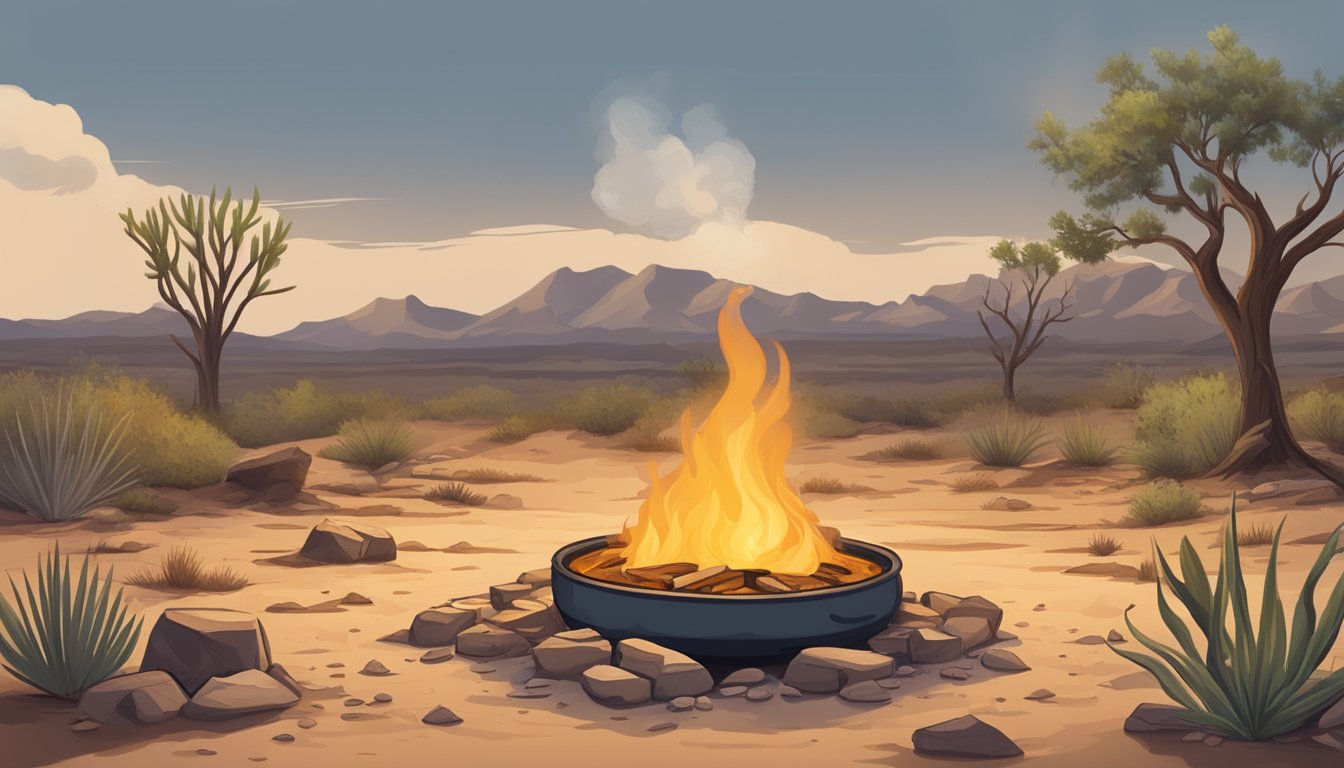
(859, 548)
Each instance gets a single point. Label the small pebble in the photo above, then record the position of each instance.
(438, 655)
(1115, 637)
(760, 693)
(747, 676)
(440, 715)
(681, 704)
(375, 668)
(536, 683)
(354, 702)
(1040, 695)
(952, 673)
(666, 725)
(84, 726)
(889, 684)
(906, 671)
(206, 752)
(382, 698)
(789, 692)
(733, 690)
(307, 722)
(1213, 740)
(703, 704)
(283, 738)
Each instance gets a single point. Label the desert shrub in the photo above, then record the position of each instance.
(951, 404)
(516, 427)
(479, 402)
(912, 449)
(1085, 443)
(1007, 440)
(1185, 428)
(1252, 681)
(302, 412)
(1256, 535)
(827, 484)
(605, 410)
(1102, 545)
(649, 441)
(971, 482)
(702, 371)
(372, 443)
(456, 493)
(490, 476)
(822, 423)
(143, 502)
(62, 459)
(1049, 404)
(1319, 415)
(182, 568)
(1165, 501)
(1126, 384)
(913, 413)
(71, 633)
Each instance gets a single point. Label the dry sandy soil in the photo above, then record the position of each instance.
(948, 542)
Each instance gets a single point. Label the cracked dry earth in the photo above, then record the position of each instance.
(1011, 545)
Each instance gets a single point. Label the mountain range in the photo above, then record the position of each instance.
(1117, 301)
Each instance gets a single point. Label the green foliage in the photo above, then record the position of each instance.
(1126, 384)
(1187, 427)
(372, 443)
(912, 449)
(1007, 440)
(1085, 443)
(62, 461)
(605, 410)
(68, 635)
(1319, 415)
(905, 412)
(1164, 501)
(516, 427)
(456, 493)
(302, 412)
(1032, 258)
(1251, 682)
(702, 371)
(479, 402)
(182, 568)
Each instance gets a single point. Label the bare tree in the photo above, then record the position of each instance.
(217, 285)
(1034, 265)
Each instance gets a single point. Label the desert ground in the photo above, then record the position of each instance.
(948, 540)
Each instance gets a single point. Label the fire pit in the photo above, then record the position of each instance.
(725, 561)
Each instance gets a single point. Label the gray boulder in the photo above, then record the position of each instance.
(196, 644)
(965, 737)
(143, 697)
(244, 693)
(439, 626)
(277, 476)
(333, 541)
(827, 670)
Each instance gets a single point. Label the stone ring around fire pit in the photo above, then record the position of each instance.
(726, 628)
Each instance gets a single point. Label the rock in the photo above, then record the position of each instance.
(478, 605)
(283, 738)
(354, 598)
(865, 692)
(503, 595)
(929, 646)
(827, 670)
(437, 656)
(1328, 740)
(533, 620)
(504, 501)
(905, 671)
(759, 693)
(703, 704)
(673, 673)
(916, 616)
(967, 737)
(1326, 495)
(333, 541)
(889, 683)
(953, 673)
(1001, 660)
(1333, 717)
(277, 476)
(892, 641)
(1005, 504)
(682, 704)
(282, 676)
(540, 577)
(729, 691)
(375, 668)
(143, 697)
(107, 517)
(612, 685)
(1282, 487)
(1040, 694)
(196, 644)
(789, 692)
(747, 676)
(978, 607)
(940, 602)
(239, 694)
(974, 631)
(84, 726)
(666, 725)
(1115, 637)
(306, 723)
(440, 715)
(486, 642)
(569, 653)
(402, 636)
(1091, 640)
(439, 626)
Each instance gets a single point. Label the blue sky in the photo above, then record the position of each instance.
(873, 123)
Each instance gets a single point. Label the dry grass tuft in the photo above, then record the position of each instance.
(827, 484)
(1102, 545)
(973, 481)
(456, 493)
(648, 441)
(489, 476)
(912, 450)
(182, 568)
(1147, 570)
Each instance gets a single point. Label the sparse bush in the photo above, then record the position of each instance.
(372, 443)
(72, 634)
(1319, 415)
(479, 402)
(302, 412)
(515, 428)
(606, 410)
(702, 371)
(456, 493)
(490, 476)
(1006, 441)
(1185, 428)
(973, 481)
(952, 404)
(1252, 680)
(62, 461)
(912, 449)
(1085, 443)
(143, 502)
(182, 568)
(1126, 384)
(824, 424)
(1049, 404)
(649, 441)
(827, 484)
(912, 413)
(1101, 545)
(1165, 501)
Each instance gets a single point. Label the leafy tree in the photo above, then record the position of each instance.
(217, 285)
(1035, 266)
(1173, 146)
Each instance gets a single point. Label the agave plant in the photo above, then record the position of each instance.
(63, 463)
(71, 634)
(1248, 683)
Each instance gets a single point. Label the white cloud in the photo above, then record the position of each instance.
(668, 185)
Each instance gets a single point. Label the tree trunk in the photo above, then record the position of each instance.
(207, 378)
(1009, 384)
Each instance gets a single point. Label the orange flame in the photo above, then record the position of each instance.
(729, 503)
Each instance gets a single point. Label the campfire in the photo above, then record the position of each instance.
(727, 521)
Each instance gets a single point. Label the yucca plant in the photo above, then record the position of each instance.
(69, 635)
(1007, 441)
(1248, 683)
(61, 462)
(372, 443)
(1085, 444)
